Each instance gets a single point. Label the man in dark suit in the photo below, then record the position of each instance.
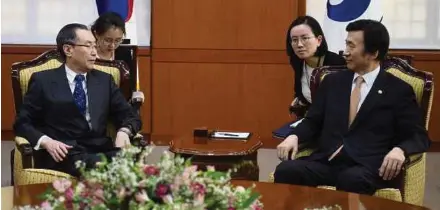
(66, 110)
(364, 122)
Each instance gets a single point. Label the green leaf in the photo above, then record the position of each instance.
(248, 202)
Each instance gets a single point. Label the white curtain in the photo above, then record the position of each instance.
(38, 21)
(412, 24)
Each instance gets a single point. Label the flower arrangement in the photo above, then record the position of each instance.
(130, 182)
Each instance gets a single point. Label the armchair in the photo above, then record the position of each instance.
(22, 161)
(412, 188)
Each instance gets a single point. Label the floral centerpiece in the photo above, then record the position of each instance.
(130, 182)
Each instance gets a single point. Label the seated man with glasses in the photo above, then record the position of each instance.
(65, 110)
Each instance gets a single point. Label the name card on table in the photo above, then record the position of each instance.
(230, 135)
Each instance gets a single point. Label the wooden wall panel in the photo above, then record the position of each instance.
(145, 86)
(219, 24)
(247, 97)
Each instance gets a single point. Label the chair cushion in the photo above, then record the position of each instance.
(25, 74)
(416, 83)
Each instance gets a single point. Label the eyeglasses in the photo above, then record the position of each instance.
(303, 40)
(90, 46)
(116, 42)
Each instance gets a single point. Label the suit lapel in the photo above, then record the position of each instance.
(60, 86)
(93, 94)
(372, 98)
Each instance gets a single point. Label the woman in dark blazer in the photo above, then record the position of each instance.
(307, 49)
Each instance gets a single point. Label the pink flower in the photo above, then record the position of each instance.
(257, 206)
(61, 185)
(187, 173)
(99, 193)
(122, 193)
(46, 206)
(141, 197)
(189, 170)
(68, 194)
(68, 198)
(176, 184)
(162, 190)
(151, 171)
(198, 188)
(199, 199)
(231, 208)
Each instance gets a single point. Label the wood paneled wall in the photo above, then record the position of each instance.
(219, 64)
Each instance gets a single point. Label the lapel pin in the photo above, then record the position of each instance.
(379, 91)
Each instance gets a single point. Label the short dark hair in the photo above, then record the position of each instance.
(317, 31)
(376, 36)
(107, 21)
(67, 35)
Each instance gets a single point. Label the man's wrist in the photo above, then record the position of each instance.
(400, 150)
(126, 130)
(41, 142)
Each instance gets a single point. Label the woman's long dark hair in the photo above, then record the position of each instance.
(317, 31)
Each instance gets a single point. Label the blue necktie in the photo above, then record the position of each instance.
(79, 95)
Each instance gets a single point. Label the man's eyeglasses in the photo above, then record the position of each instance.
(303, 40)
(90, 46)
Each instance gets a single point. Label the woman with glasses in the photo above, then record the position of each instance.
(307, 49)
(109, 31)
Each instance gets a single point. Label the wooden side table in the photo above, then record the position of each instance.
(223, 154)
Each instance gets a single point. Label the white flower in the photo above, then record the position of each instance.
(240, 189)
(61, 199)
(210, 168)
(167, 199)
(142, 197)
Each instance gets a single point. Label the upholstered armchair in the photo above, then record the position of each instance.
(413, 186)
(22, 160)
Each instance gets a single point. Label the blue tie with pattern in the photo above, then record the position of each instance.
(79, 95)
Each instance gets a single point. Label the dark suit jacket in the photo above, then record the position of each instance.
(48, 109)
(330, 59)
(389, 117)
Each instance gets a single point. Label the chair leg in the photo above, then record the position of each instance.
(12, 166)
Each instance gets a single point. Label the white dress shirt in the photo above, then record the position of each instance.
(369, 79)
(71, 79)
(305, 82)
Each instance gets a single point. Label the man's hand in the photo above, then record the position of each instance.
(138, 95)
(290, 143)
(122, 139)
(392, 164)
(58, 150)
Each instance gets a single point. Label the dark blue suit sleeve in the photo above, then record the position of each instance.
(31, 112)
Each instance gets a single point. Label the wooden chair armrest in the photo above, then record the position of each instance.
(303, 150)
(413, 159)
(26, 150)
